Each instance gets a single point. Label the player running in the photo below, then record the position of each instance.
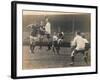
(55, 43)
(33, 37)
(78, 45)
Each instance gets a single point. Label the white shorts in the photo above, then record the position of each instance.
(77, 48)
(33, 39)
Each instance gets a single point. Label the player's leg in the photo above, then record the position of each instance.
(57, 50)
(33, 46)
(72, 53)
(85, 56)
(41, 40)
(57, 47)
(53, 47)
(48, 44)
(87, 46)
(49, 47)
(30, 48)
(34, 43)
(30, 44)
(73, 56)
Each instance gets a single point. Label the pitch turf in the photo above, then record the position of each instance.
(48, 59)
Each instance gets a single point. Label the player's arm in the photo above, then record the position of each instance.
(87, 45)
(30, 25)
(73, 42)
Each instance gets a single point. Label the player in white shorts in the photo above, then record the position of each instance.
(55, 43)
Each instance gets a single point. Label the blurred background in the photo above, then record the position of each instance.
(60, 22)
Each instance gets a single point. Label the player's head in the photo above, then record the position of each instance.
(62, 33)
(41, 23)
(83, 35)
(78, 33)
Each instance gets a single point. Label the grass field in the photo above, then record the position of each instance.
(47, 59)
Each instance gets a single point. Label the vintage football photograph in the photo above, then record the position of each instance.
(55, 39)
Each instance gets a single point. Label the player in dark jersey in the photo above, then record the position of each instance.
(87, 46)
(41, 33)
(60, 37)
(33, 37)
(59, 41)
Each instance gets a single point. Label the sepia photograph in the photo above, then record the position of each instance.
(53, 39)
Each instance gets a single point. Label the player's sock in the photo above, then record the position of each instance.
(72, 60)
(85, 58)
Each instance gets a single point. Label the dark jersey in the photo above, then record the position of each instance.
(42, 30)
(61, 36)
(34, 30)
